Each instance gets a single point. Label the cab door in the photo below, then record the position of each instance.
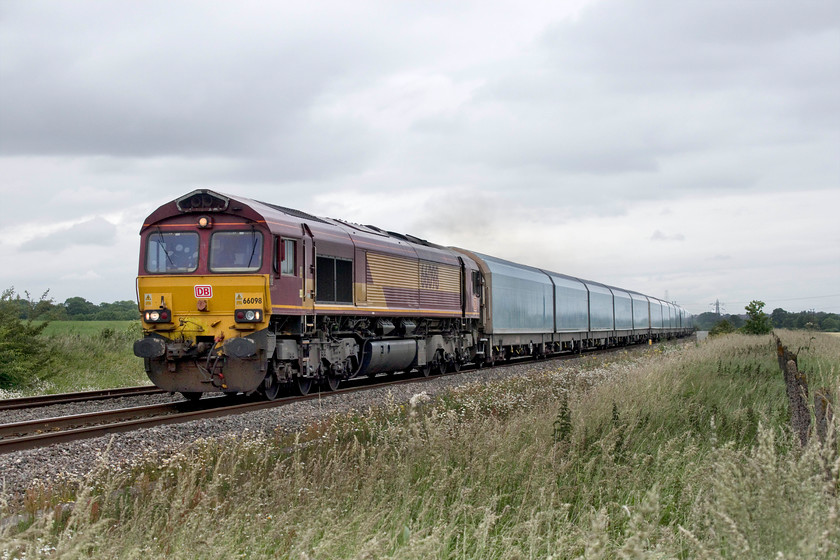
(308, 269)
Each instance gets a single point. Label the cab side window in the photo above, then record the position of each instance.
(286, 254)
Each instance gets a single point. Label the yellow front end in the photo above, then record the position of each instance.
(202, 347)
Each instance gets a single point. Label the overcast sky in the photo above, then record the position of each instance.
(687, 149)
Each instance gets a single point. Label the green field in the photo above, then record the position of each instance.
(684, 452)
(93, 328)
(86, 355)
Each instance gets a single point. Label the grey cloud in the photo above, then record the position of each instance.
(642, 87)
(96, 231)
(540, 119)
(712, 44)
(142, 86)
(651, 93)
(659, 236)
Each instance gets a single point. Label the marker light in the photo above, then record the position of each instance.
(157, 316)
(248, 315)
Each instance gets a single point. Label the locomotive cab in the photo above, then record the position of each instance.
(204, 295)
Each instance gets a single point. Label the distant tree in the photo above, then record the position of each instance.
(831, 324)
(705, 321)
(780, 318)
(722, 327)
(808, 319)
(736, 321)
(758, 322)
(125, 310)
(79, 309)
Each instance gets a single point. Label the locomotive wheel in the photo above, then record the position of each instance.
(332, 382)
(303, 385)
(191, 396)
(270, 388)
(425, 370)
(442, 367)
(456, 366)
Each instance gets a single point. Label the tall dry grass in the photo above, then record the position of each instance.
(683, 453)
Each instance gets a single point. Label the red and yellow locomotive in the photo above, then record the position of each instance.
(238, 295)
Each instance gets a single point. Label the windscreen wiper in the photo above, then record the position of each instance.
(254, 247)
(165, 252)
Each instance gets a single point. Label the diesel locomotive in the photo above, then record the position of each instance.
(242, 296)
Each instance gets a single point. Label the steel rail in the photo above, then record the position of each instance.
(17, 429)
(8, 445)
(102, 394)
(124, 420)
(62, 398)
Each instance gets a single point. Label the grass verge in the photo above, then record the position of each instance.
(86, 355)
(683, 453)
(88, 328)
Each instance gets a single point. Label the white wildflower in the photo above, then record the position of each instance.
(419, 399)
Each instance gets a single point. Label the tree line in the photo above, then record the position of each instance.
(779, 318)
(72, 309)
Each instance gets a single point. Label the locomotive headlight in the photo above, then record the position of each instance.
(154, 316)
(250, 315)
(205, 222)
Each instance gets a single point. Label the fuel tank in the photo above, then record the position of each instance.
(381, 356)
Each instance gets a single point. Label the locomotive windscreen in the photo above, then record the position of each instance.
(236, 251)
(171, 252)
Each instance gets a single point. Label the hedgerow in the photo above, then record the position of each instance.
(23, 356)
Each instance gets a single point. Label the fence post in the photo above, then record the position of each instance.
(796, 384)
(823, 413)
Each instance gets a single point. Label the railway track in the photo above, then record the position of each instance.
(63, 398)
(33, 434)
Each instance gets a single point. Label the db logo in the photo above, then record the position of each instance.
(204, 291)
